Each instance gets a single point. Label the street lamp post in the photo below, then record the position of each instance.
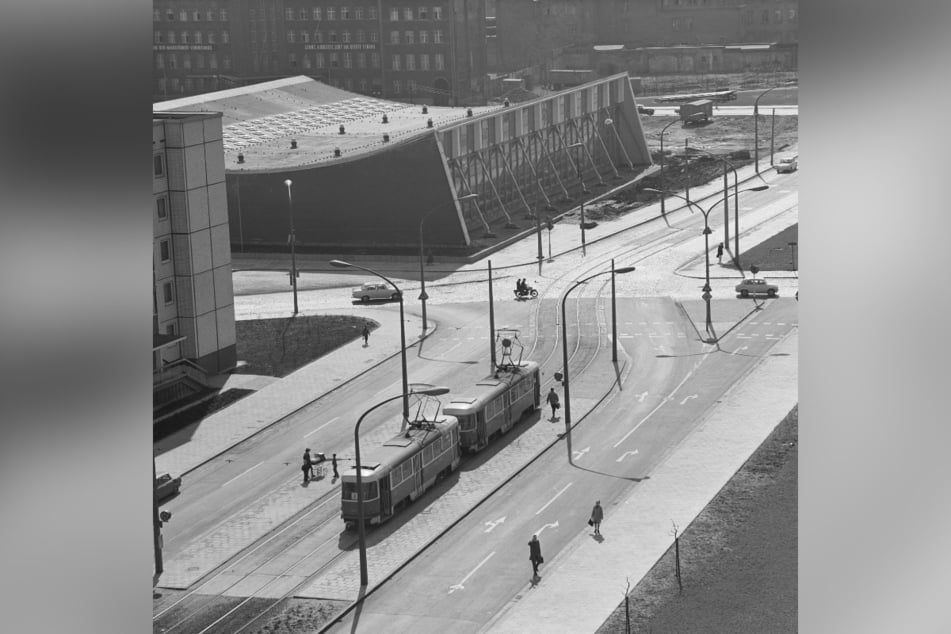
(422, 276)
(361, 528)
(293, 240)
(492, 359)
(564, 332)
(663, 182)
(345, 265)
(581, 195)
(706, 252)
(756, 126)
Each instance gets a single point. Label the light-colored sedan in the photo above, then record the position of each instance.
(375, 290)
(788, 164)
(756, 286)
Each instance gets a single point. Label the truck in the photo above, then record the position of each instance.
(696, 111)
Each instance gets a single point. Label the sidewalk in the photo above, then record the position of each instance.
(583, 585)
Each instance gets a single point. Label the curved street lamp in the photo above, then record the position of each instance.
(756, 125)
(292, 239)
(564, 333)
(340, 264)
(581, 195)
(422, 277)
(361, 529)
(706, 251)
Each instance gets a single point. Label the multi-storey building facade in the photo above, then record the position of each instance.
(193, 297)
(430, 51)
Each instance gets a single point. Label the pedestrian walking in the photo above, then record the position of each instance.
(333, 462)
(552, 399)
(308, 466)
(366, 333)
(597, 514)
(720, 253)
(535, 554)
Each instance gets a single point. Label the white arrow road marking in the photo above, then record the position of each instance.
(493, 523)
(626, 454)
(579, 454)
(321, 427)
(553, 499)
(738, 349)
(552, 525)
(460, 586)
(659, 405)
(241, 474)
(687, 398)
(640, 397)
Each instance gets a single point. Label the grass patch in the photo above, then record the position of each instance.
(277, 347)
(774, 254)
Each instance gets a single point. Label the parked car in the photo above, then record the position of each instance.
(644, 109)
(375, 290)
(166, 486)
(788, 164)
(756, 286)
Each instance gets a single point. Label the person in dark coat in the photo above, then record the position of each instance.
(333, 462)
(366, 334)
(552, 399)
(308, 466)
(597, 514)
(719, 253)
(535, 554)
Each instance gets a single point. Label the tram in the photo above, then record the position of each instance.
(400, 470)
(493, 405)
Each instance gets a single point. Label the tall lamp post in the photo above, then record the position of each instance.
(564, 332)
(340, 264)
(292, 240)
(361, 528)
(706, 251)
(422, 277)
(663, 182)
(756, 126)
(581, 195)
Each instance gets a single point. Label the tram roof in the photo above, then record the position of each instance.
(403, 444)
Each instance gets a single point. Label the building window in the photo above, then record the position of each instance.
(158, 37)
(161, 208)
(290, 37)
(371, 12)
(395, 65)
(792, 15)
(196, 16)
(358, 13)
(197, 37)
(397, 86)
(408, 13)
(288, 14)
(361, 60)
(156, 15)
(361, 36)
(167, 292)
(334, 61)
(316, 13)
(319, 61)
(344, 13)
(375, 60)
(292, 60)
(331, 13)
(438, 61)
(159, 61)
(158, 166)
(437, 37)
(211, 37)
(305, 37)
(171, 37)
(333, 37)
(424, 62)
(223, 15)
(302, 14)
(345, 37)
(374, 36)
(173, 62)
(778, 16)
(422, 13)
(306, 61)
(210, 16)
(363, 85)
(408, 37)
(166, 250)
(394, 37)
(183, 15)
(200, 61)
(424, 37)
(348, 60)
(437, 13)
(410, 61)
(187, 65)
(765, 20)
(318, 37)
(213, 62)
(394, 15)
(184, 37)
(225, 37)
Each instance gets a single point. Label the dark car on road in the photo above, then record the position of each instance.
(166, 486)
(644, 109)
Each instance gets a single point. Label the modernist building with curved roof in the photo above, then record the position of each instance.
(365, 172)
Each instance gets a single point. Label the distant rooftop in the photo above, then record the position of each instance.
(261, 120)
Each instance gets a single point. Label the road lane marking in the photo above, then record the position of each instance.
(626, 454)
(640, 397)
(493, 523)
(321, 427)
(687, 398)
(241, 474)
(552, 525)
(580, 454)
(460, 586)
(738, 349)
(659, 405)
(553, 499)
